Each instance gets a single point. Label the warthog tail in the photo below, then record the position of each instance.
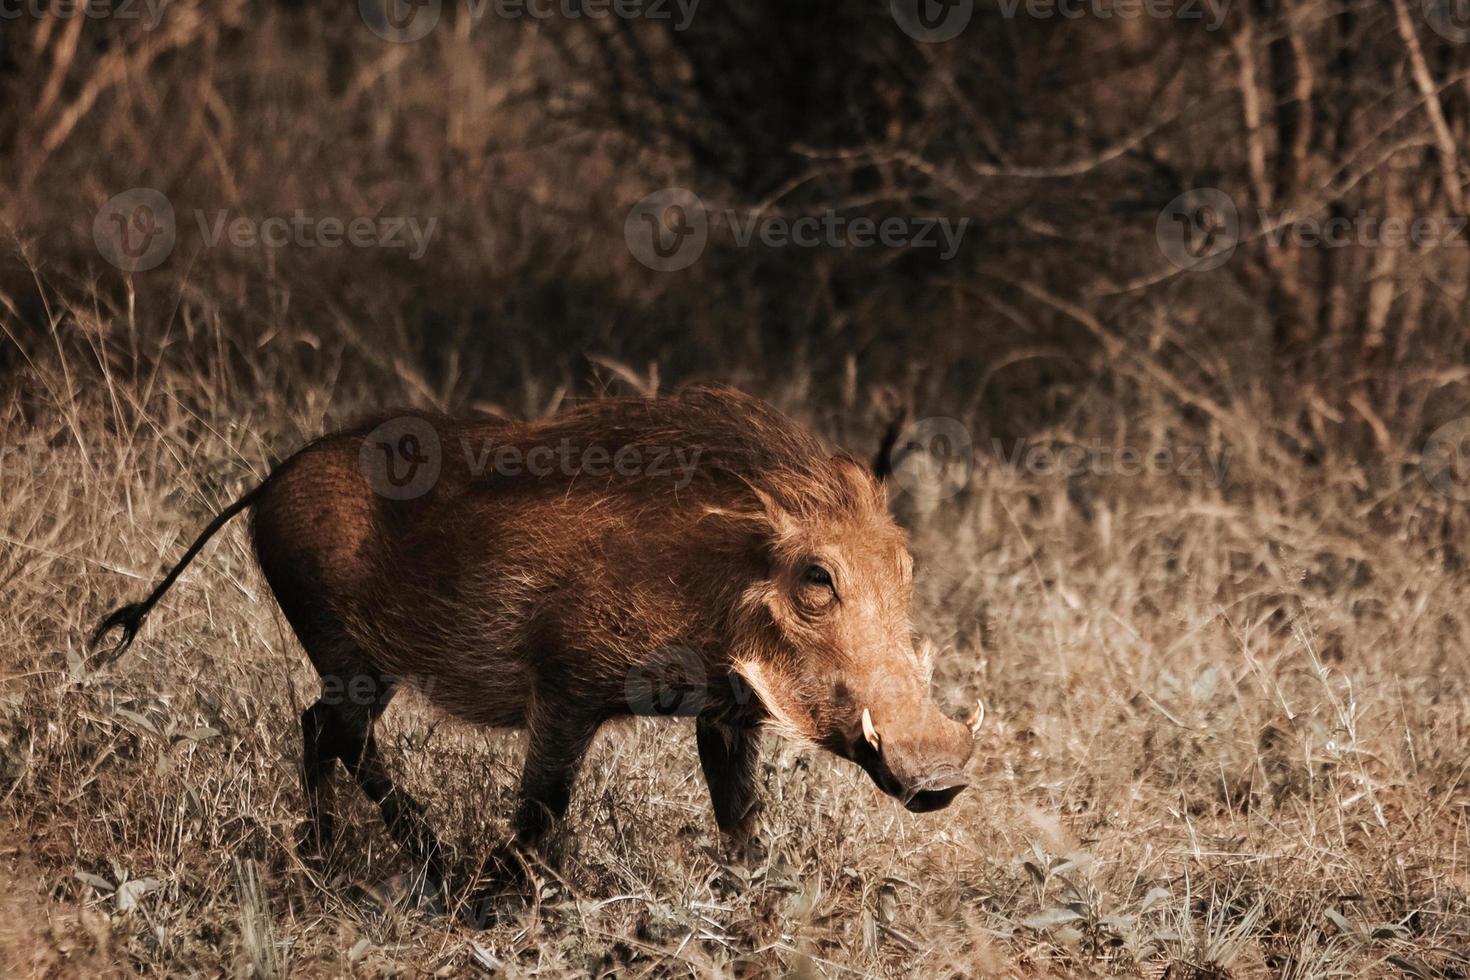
(130, 617)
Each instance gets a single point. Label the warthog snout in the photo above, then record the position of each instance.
(918, 761)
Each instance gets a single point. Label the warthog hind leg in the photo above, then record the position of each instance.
(335, 731)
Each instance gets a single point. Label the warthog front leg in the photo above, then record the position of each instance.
(729, 753)
(558, 737)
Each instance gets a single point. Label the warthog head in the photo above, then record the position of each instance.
(827, 643)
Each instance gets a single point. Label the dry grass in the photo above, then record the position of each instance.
(1228, 729)
(1227, 737)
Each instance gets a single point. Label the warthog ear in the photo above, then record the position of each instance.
(883, 458)
(858, 480)
(770, 523)
(782, 525)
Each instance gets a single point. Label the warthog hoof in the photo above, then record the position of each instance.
(502, 883)
(314, 840)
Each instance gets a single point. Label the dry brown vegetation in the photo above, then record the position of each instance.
(1228, 732)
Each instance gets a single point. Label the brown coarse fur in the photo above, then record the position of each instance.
(697, 554)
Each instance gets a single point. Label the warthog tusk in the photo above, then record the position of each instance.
(977, 719)
(869, 732)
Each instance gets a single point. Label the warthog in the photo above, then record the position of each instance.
(698, 554)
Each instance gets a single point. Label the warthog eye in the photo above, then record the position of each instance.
(819, 576)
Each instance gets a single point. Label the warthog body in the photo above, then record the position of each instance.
(698, 554)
